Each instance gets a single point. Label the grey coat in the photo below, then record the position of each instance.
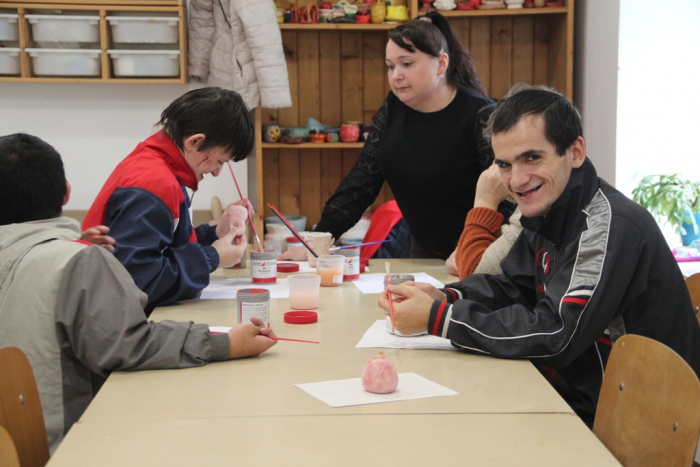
(77, 315)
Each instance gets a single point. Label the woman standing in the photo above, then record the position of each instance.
(426, 141)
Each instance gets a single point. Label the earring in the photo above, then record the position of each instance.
(442, 75)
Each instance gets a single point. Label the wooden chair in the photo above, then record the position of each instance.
(8, 453)
(693, 284)
(649, 407)
(20, 408)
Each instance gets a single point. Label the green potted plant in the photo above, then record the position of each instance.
(672, 199)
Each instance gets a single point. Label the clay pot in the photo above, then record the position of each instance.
(378, 12)
(317, 137)
(349, 133)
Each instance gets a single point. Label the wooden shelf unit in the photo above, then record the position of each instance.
(337, 74)
(103, 8)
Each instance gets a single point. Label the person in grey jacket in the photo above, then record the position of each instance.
(72, 308)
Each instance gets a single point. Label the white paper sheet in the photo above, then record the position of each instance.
(374, 283)
(377, 337)
(228, 288)
(346, 392)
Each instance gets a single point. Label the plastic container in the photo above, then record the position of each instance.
(65, 28)
(9, 61)
(253, 302)
(144, 29)
(263, 266)
(293, 242)
(330, 268)
(130, 63)
(351, 269)
(303, 291)
(8, 27)
(65, 62)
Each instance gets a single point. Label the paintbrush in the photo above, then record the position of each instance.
(250, 219)
(291, 340)
(294, 231)
(359, 244)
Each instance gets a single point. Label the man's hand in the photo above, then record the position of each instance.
(98, 236)
(451, 264)
(298, 253)
(433, 292)
(411, 315)
(231, 249)
(490, 190)
(224, 225)
(250, 339)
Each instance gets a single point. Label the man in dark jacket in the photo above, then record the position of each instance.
(589, 266)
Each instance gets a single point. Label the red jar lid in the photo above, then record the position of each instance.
(287, 267)
(293, 240)
(300, 317)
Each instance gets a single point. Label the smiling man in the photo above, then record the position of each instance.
(146, 206)
(589, 266)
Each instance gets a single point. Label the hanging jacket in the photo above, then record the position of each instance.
(237, 45)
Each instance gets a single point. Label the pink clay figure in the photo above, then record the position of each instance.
(379, 375)
(237, 215)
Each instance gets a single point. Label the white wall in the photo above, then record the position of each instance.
(595, 80)
(95, 126)
(658, 100)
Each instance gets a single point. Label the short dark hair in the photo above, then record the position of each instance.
(219, 114)
(432, 34)
(562, 122)
(32, 180)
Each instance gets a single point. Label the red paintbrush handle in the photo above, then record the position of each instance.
(294, 231)
(291, 340)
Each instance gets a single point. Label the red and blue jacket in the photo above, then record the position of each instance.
(146, 207)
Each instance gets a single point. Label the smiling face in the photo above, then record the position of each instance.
(414, 77)
(206, 161)
(530, 166)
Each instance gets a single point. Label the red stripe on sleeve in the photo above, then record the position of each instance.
(454, 295)
(605, 341)
(438, 318)
(83, 242)
(578, 301)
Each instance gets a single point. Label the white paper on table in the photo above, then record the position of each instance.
(220, 329)
(374, 283)
(346, 392)
(220, 287)
(378, 338)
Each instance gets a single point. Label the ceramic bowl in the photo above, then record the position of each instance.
(298, 222)
(317, 137)
(297, 132)
(292, 139)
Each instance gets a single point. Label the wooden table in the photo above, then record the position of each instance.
(249, 411)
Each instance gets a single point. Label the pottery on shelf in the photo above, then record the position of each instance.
(350, 133)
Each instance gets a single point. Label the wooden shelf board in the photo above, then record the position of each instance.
(92, 80)
(312, 146)
(505, 12)
(336, 26)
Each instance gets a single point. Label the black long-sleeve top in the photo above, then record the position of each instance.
(431, 162)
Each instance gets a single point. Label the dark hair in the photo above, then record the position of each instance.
(32, 180)
(432, 34)
(219, 114)
(562, 122)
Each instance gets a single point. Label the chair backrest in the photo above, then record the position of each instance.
(20, 408)
(693, 284)
(649, 407)
(8, 453)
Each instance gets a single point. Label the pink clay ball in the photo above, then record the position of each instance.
(379, 375)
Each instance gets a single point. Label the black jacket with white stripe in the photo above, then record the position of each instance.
(596, 267)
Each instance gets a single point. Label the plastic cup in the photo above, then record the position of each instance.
(330, 268)
(274, 245)
(303, 291)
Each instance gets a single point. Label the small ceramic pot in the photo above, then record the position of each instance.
(350, 133)
(332, 137)
(317, 138)
(271, 133)
(378, 13)
(362, 19)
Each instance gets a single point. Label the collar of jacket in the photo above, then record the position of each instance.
(580, 190)
(165, 148)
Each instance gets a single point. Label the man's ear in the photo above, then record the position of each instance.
(66, 197)
(192, 143)
(578, 151)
